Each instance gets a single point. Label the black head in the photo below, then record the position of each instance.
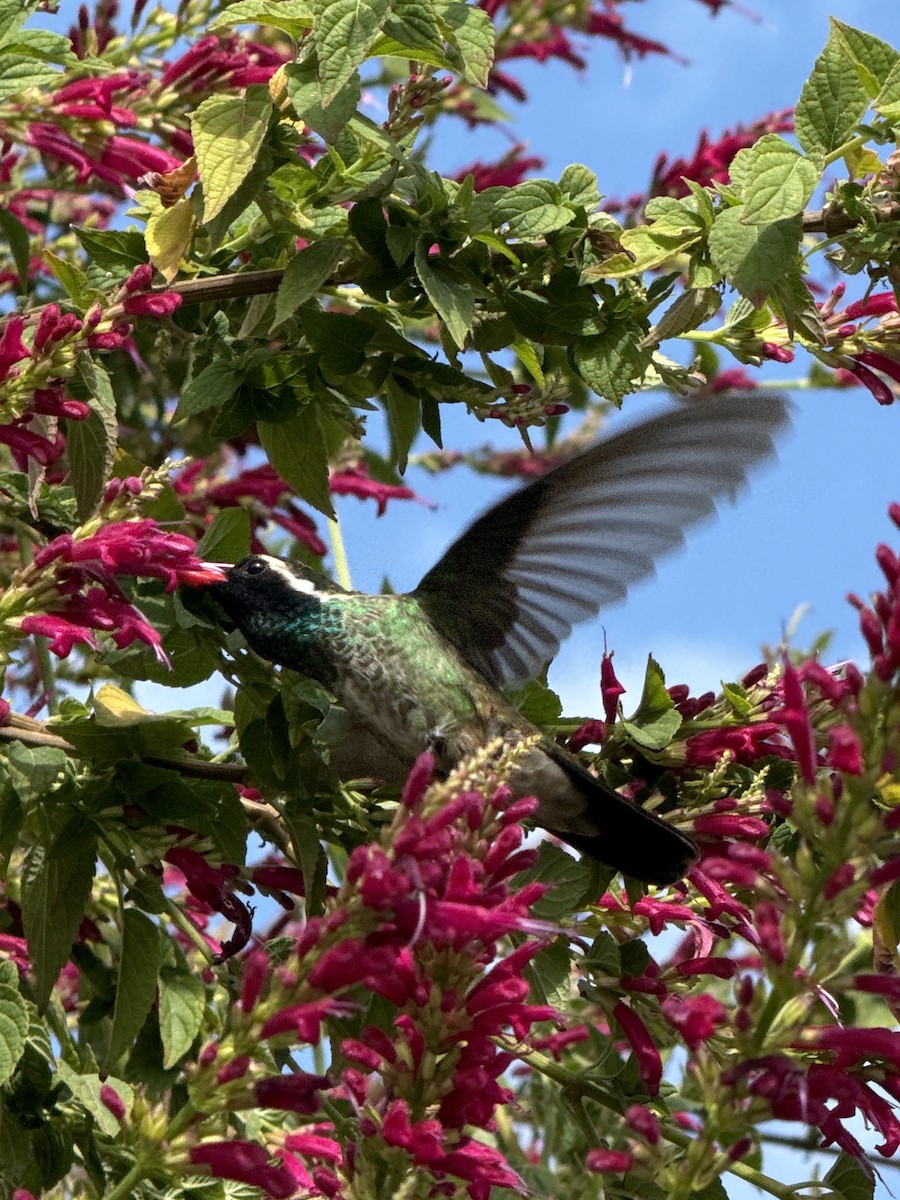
(261, 584)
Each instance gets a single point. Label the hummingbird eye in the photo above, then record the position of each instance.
(255, 567)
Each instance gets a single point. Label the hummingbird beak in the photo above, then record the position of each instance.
(204, 575)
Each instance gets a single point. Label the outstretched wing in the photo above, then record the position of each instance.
(554, 553)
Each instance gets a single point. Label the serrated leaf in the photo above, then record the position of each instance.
(527, 356)
(579, 186)
(832, 101)
(302, 84)
(612, 363)
(86, 1090)
(304, 276)
(168, 236)
(533, 209)
(114, 250)
(21, 71)
(228, 133)
(91, 451)
(71, 278)
(550, 974)
(13, 1030)
(293, 16)
(775, 180)
(850, 1179)
(343, 32)
(448, 290)
(56, 883)
(412, 29)
(874, 59)
(35, 772)
(471, 32)
(210, 389)
(136, 985)
(754, 257)
(296, 449)
(573, 882)
(887, 102)
(227, 537)
(656, 720)
(97, 382)
(182, 1000)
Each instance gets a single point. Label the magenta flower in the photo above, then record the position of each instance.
(297, 1092)
(12, 348)
(649, 1062)
(610, 688)
(602, 1160)
(137, 548)
(245, 1162)
(356, 481)
(155, 304)
(695, 1017)
(845, 751)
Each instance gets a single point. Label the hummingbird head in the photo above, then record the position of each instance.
(277, 605)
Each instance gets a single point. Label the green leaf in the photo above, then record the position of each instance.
(227, 537)
(296, 449)
(533, 209)
(573, 882)
(688, 312)
(656, 720)
(538, 703)
(471, 32)
(21, 71)
(70, 278)
(613, 362)
(56, 884)
(35, 773)
(86, 1090)
(210, 389)
(338, 339)
(579, 186)
(13, 1030)
(19, 244)
(228, 133)
(832, 102)
(412, 31)
(404, 417)
(874, 59)
(168, 236)
(849, 1179)
(304, 276)
(293, 16)
(136, 987)
(114, 250)
(550, 974)
(754, 257)
(97, 382)
(775, 180)
(182, 1001)
(302, 83)
(344, 30)
(91, 449)
(736, 695)
(448, 290)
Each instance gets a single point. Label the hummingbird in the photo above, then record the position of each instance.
(427, 670)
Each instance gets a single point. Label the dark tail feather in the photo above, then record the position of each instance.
(628, 837)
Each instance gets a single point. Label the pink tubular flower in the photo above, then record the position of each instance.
(731, 825)
(695, 1017)
(610, 688)
(303, 1021)
(649, 1062)
(845, 752)
(245, 1162)
(297, 1093)
(12, 348)
(795, 718)
(643, 1122)
(608, 1160)
(111, 1100)
(356, 481)
(138, 548)
(153, 304)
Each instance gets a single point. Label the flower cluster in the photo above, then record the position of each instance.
(418, 923)
(72, 583)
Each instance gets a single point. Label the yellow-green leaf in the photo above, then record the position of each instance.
(228, 132)
(169, 233)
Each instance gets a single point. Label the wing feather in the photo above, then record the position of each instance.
(509, 590)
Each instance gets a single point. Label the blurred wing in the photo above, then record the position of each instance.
(509, 590)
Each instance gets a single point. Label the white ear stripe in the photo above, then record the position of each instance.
(306, 587)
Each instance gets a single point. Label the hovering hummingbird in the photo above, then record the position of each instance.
(425, 670)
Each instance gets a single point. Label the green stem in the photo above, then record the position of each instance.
(339, 553)
(187, 928)
(764, 1182)
(124, 1189)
